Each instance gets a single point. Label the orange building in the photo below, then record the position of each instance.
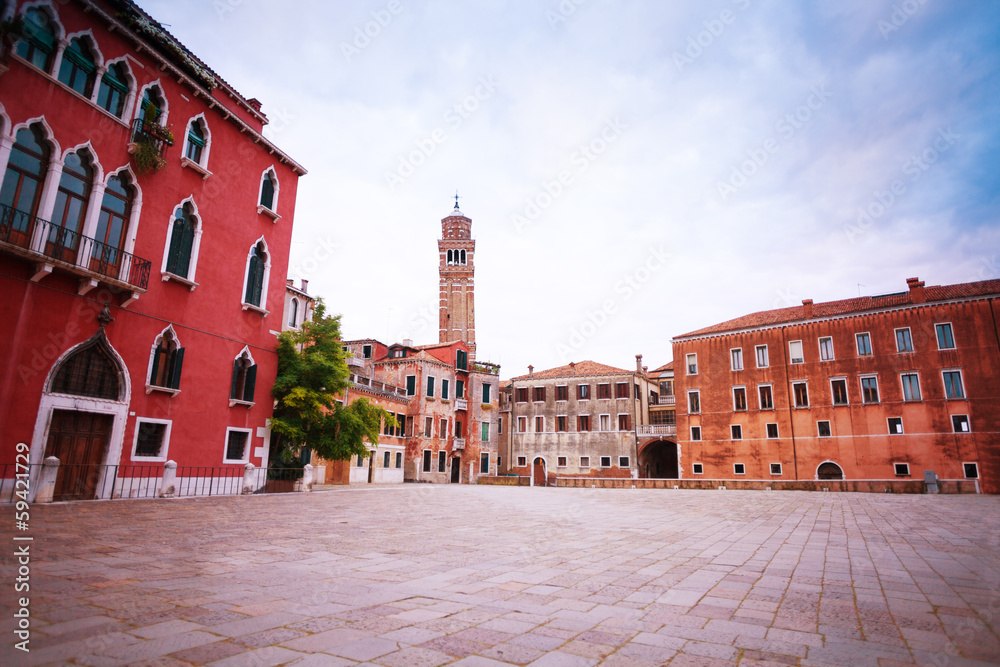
(874, 388)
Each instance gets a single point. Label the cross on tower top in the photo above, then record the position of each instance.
(456, 200)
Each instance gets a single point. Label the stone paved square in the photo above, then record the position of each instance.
(434, 575)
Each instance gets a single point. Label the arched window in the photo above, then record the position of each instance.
(293, 312)
(39, 43)
(829, 470)
(267, 191)
(449, 257)
(244, 378)
(195, 141)
(113, 90)
(78, 67)
(71, 207)
(168, 358)
(182, 238)
(255, 275)
(22, 185)
(90, 371)
(116, 210)
(152, 105)
(463, 257)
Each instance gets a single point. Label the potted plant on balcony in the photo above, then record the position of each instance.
(146, 156)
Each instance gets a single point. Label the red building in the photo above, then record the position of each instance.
(134, 177)
(874, 388)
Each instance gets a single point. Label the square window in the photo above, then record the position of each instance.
(736, 358)
(839, 390)
(739, 398)
(953, 387)
(151, 438)
(538, 394)
(236, 445)
(623, 462)
(766, 397)
(945, 339)
(584, 461)
(739, 469)
(736, 431)
(623, 422)
(521, 461)
(772, 431)
(901, 469)
(692, 364)
(604, 391)
(621, 390)
(583, 392)
(605, 422)
(795, 352)
(960, 423)
(583, 423)
(562, 393)
(366, 351)
(775, 468)
(605, 461)
(521, 395)
(539, 424)
(904, 341)
(971, 470)
(826, 349)
(869, 389)
(801, 392)
(696, 433)
(911, 386)
(561, 423)
(864, 342)
(762, 360)
(560, 461)
(694, 402)
(895, 425)
(697, 469)
(823, 429)
(522, 424)
(442, 461)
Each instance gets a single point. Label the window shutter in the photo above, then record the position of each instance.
(236, 376)
(181, 240)
(250, 383)
(156, 365)
(255, 280)
(75, 54)
(111, 78)
(267, 193)
(175, 376)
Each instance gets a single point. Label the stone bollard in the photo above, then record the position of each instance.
(307, 478)
(168, 488)
(47, 480)
(248, 470)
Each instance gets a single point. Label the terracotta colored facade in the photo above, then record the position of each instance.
(191, 259)
(874, 388)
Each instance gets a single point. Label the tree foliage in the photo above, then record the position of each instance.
(312, 373)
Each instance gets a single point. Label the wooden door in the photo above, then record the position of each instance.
(80, 441)
(539, 472)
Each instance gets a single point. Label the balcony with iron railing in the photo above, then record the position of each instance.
(656, 429)
(33, 238)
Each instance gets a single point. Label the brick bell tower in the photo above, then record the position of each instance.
(456, 248)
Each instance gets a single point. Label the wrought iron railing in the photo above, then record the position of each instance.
(150, 134)
(74, 250)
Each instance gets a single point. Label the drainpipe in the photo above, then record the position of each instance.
(791, 420)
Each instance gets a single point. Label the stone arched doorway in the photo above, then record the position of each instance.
(659, 459)
(829, 470)
(538, 472)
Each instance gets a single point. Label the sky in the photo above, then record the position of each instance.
(633, 170)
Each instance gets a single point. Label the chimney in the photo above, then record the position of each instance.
(290, 282)
(254, 103)
(305, 286)
(531, 369)
(638, 364)
(408, 342)
(807, 308)
(572, 367)
(916, 290)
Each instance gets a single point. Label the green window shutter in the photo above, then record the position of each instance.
(486, 393)
(459, 388)
(236, 377)
(181, 243)
(175, 375)
(250, 384)
(74, 53)
(411, 385)
(39, 33)
(267, 193)
(156, 365)
(112, 80)
(255, 281)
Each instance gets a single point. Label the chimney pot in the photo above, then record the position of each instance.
(531, 369)
(916, 290)
(305, 285)
(807, 308)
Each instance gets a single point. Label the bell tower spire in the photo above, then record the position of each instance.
(456, 268)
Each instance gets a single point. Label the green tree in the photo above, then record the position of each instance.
(312, 372)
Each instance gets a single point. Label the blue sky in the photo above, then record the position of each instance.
(633, 171)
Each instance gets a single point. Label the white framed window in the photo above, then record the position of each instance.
(795, 355)
(152, 439)
(584, 461)
(267, 196)
(697, 469)
(739, 469)
(800, 394)
(605, 461)
(864, 343)
(605, 422)
(739, 399)
(166, 359)
(901, 469)
(293, 313)
(895, 425)
(869, 389)
(237, 449)
(256, 277)
(823, 429)
(762, 359)
(736, 358)
(522, 461)
(539, 424)
(443, 429)
(736, 431)
(826, 349)
(197, 145)
(772, 431)
(442, 461)
(562, 392)
(428, 426)
(623, 462)
(954, 387)
(904, 340)
(911, 386)
(180, 254)
(765, 397)
(694, 401)
(692, 364)
(945, 336)
(775, 468)
(411, 385)
(426, 462)
(431, 381)
(971, 470)
(561, 424)
(244, 380)
(560, 461)
(695, 433)
(484, 431)
(624, 421)
(444, 389)
(960, 423)
(522, 424)
(838, 390)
